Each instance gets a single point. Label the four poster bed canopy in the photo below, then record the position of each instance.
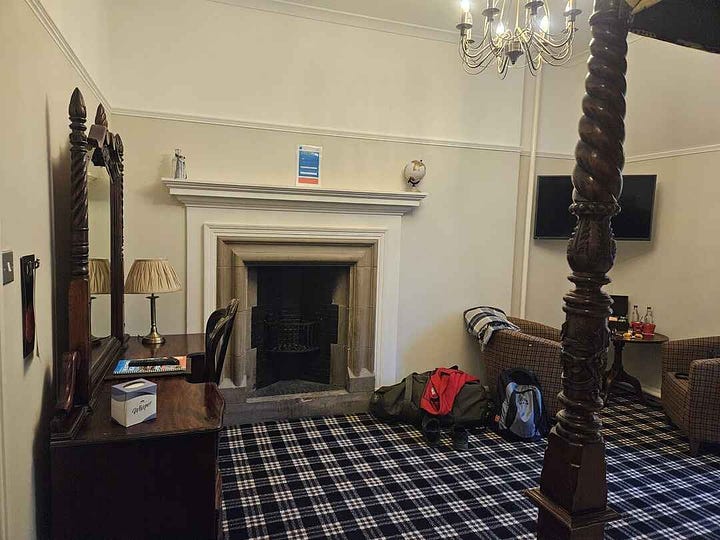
(572, 497)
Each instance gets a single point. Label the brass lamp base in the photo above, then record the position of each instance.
(153, 338)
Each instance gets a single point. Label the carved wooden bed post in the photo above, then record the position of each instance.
(572, 497)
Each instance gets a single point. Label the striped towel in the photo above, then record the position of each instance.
(482, 321)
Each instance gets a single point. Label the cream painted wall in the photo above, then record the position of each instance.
(560, 107)
(85, 25)
(672, 97)
(672, 94)
(446, 266)
(3, 488)
(37, 84)
(213, 59)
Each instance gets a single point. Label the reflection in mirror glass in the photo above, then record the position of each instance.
(99, 264)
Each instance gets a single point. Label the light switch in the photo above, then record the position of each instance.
(8, 267)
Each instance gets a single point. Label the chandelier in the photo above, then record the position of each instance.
(510, 31)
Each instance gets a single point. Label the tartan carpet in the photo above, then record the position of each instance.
(356, 477)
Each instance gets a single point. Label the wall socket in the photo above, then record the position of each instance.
(8, 267)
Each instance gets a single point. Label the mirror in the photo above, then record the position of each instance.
(100, 260)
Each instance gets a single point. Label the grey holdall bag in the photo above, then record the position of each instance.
(401, 402)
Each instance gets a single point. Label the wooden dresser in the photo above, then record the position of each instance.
(157, 479)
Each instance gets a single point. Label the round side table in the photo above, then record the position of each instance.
(617, 374)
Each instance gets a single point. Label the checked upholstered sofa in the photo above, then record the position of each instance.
(537, 348)
(693, 402)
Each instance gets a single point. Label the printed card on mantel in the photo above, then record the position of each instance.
(309, 158)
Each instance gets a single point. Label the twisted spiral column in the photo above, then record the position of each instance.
(572, 497)
(597, 181)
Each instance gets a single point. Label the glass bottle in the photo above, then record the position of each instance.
(649, 318)
(635, 316)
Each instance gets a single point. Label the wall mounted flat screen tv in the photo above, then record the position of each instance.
(554, 196)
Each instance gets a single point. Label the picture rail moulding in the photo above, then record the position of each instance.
(207, 194)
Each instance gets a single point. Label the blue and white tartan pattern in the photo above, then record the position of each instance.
(482, 321)
(355, 477)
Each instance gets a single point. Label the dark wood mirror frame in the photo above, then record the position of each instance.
(79, 370)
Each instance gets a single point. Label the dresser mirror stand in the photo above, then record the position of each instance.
(83, 360)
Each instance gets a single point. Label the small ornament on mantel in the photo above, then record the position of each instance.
(414, 172)
(180, 171)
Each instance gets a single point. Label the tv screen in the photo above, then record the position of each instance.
(554, 196)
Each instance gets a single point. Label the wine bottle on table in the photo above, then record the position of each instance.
(648, 323)
(635, 322)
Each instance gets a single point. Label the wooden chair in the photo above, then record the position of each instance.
(208, 366)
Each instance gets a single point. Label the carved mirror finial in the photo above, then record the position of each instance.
(100, 116)
(77, 111)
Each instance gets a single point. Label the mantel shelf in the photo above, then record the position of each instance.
(206, 194)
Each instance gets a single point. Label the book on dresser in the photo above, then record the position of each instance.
(151, 366)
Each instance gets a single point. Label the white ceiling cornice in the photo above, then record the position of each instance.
(345, 18)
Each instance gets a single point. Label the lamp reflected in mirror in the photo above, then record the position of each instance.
(99, 283)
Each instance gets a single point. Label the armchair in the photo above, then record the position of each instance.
(535, 347)
(691, 403)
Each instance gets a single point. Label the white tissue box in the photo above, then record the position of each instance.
(134, 402)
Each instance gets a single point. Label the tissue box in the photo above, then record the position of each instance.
(134, 402)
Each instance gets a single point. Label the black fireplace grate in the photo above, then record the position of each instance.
(292, 336)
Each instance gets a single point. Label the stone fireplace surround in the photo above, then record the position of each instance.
(352, 358)
(243, 214)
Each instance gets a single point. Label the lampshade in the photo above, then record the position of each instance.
(99, 276)
(148, 276)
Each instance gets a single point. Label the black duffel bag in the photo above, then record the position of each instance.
(401, 402)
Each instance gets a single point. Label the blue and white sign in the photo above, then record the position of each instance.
(309, 158)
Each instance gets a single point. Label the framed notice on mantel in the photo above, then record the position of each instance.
(308, 165)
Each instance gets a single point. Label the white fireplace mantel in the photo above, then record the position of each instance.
(206, 194)
(215, 210)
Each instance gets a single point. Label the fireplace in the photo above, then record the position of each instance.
(233, 227)
(294, 325)
(304, 338)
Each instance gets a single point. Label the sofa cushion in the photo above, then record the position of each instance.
(675, 398)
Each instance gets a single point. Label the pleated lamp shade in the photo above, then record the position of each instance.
(99, 276)
(148, 276)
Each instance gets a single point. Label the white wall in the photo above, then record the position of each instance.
(85, 27)
(34, 96)
(672, 98)
(218, 60)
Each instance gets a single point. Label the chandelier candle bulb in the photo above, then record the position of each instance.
(545, 24)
